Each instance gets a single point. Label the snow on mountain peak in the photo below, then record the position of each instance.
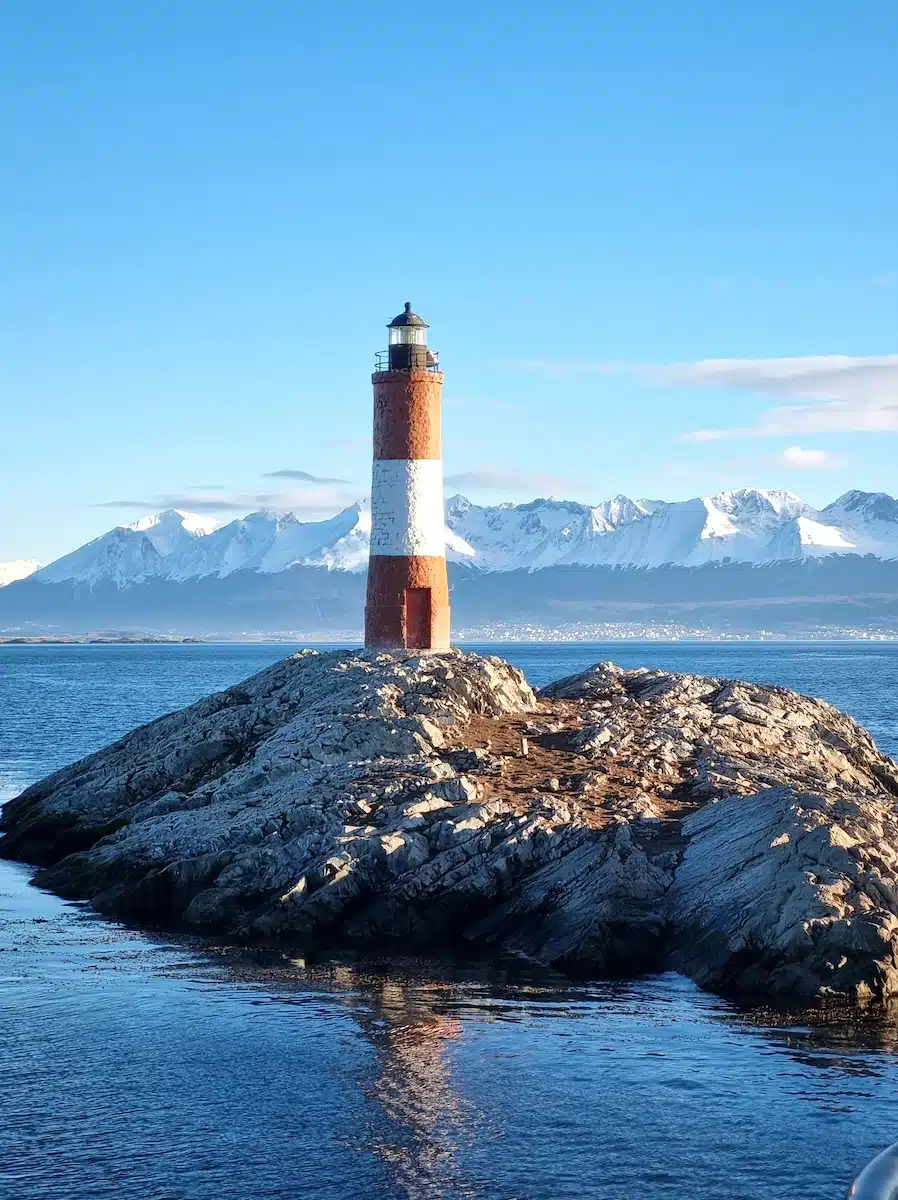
(19, 568)
(611, 513)
(747, 525)
(458, 504)
(762, 502)
(874, 506)
(173, 518)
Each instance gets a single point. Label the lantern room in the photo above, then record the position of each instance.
(408, 345)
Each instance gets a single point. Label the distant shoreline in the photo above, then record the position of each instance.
(808, 639)
(88, 639)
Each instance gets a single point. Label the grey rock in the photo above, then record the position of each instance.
(745, 834)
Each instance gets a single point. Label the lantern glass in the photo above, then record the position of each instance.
(408, 335)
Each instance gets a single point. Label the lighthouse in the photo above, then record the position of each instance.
(407, 606)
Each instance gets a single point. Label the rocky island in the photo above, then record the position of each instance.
(615, 822)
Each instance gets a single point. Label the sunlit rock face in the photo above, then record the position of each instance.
(620, 821)
(786, 878)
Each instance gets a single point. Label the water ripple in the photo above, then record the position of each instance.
(160, 1069)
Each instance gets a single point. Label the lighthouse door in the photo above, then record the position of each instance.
(417, 618)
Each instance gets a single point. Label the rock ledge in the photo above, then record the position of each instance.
(621, 821)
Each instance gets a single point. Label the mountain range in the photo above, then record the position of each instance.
(19, 568)
(739, 561)
(750, 525)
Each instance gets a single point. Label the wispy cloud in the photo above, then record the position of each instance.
(191, 502)
(302, 476)
(851, 394)
(312, 502)
(500, 479)
(848, 394)
(808, 460)
(743, 470)
(145, 505)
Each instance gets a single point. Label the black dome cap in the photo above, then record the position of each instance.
(408, 318)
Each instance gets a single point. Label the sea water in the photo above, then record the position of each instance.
(150, 1068)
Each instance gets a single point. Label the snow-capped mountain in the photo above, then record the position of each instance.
(179, 545)
(738, 525)
(150, 547)
(18, 569)
(270, 541)
(534, 535)
(869, 520)
(749, 525)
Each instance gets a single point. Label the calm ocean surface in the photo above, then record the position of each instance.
(149, 1069)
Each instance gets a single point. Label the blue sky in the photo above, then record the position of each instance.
(210, 210)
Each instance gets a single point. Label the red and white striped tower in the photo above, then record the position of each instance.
(408, 593)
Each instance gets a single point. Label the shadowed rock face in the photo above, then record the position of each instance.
(744, 834)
